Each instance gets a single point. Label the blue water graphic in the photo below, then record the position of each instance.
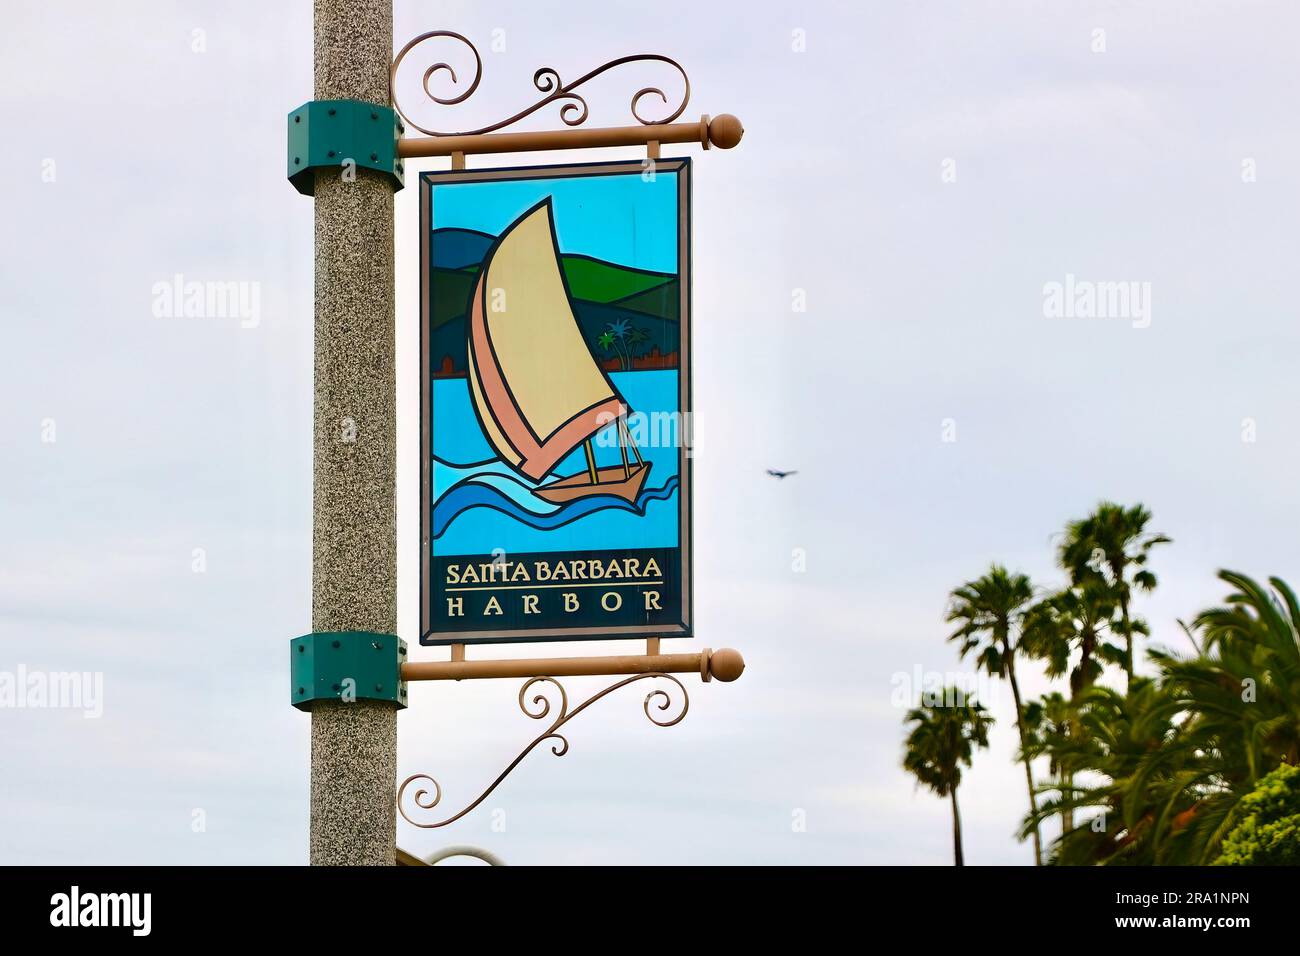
(480, 504)
(473, 494)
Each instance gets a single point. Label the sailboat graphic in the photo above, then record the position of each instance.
(536, 389)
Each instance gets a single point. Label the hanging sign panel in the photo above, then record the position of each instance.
(555, 401)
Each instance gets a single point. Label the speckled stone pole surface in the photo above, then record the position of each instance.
(354, 538)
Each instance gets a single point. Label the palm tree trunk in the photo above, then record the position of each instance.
(1087, 650)
(1128, 641)
(1067, 814)
(1029, 774)
(956, 831)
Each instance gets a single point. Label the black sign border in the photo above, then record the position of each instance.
(682, 167)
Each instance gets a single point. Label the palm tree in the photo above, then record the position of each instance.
(1240, 700)
(613, 339)
(1073, 621)
(990, 612)
(1048, 724)
(1128, 743)
(1111, 546)
(635, 337)
(606, 341)
(1257, 639)
(941, 741)
(619, 329)
(1170, 762)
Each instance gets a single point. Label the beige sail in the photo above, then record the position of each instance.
(537, 391)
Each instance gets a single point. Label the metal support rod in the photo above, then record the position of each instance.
(723, 131)
(724, 664)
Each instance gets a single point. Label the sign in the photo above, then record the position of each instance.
(555, 400)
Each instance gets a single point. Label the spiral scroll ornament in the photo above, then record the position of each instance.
(573, 107)
(427, 793)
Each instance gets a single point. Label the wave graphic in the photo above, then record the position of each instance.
(493, 485)
(494, 473)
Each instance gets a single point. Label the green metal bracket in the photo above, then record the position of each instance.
(347, 666)
(325, 133)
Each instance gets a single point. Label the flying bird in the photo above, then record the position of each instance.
(781, 474)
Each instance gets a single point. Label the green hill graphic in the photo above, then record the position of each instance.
(603, 292)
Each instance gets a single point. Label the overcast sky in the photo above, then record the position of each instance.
(920, 170)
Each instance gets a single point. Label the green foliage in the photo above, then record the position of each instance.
(1047, 729)
(988, 613)
(1108, 551)
(941, 742)
(1196, 763)
(623, 339)
(1192, 764)
(1124, 746)
(1168, 767)
(943, 739)
(1073, 624)
(1269, 831)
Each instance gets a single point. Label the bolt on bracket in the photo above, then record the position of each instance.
(334, 133)
(346, 666)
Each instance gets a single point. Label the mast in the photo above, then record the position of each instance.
(627, 435)
(623, 449)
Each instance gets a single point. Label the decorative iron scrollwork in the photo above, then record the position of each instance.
(574, 110)
(539, 707)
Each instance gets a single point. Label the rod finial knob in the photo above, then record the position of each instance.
(726, 664)
(725, 132)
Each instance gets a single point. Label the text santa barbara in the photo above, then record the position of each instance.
(530, 582)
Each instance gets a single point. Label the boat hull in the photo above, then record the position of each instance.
(609, 481)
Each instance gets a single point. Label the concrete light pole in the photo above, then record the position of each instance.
(346, 147)
(354, 536)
